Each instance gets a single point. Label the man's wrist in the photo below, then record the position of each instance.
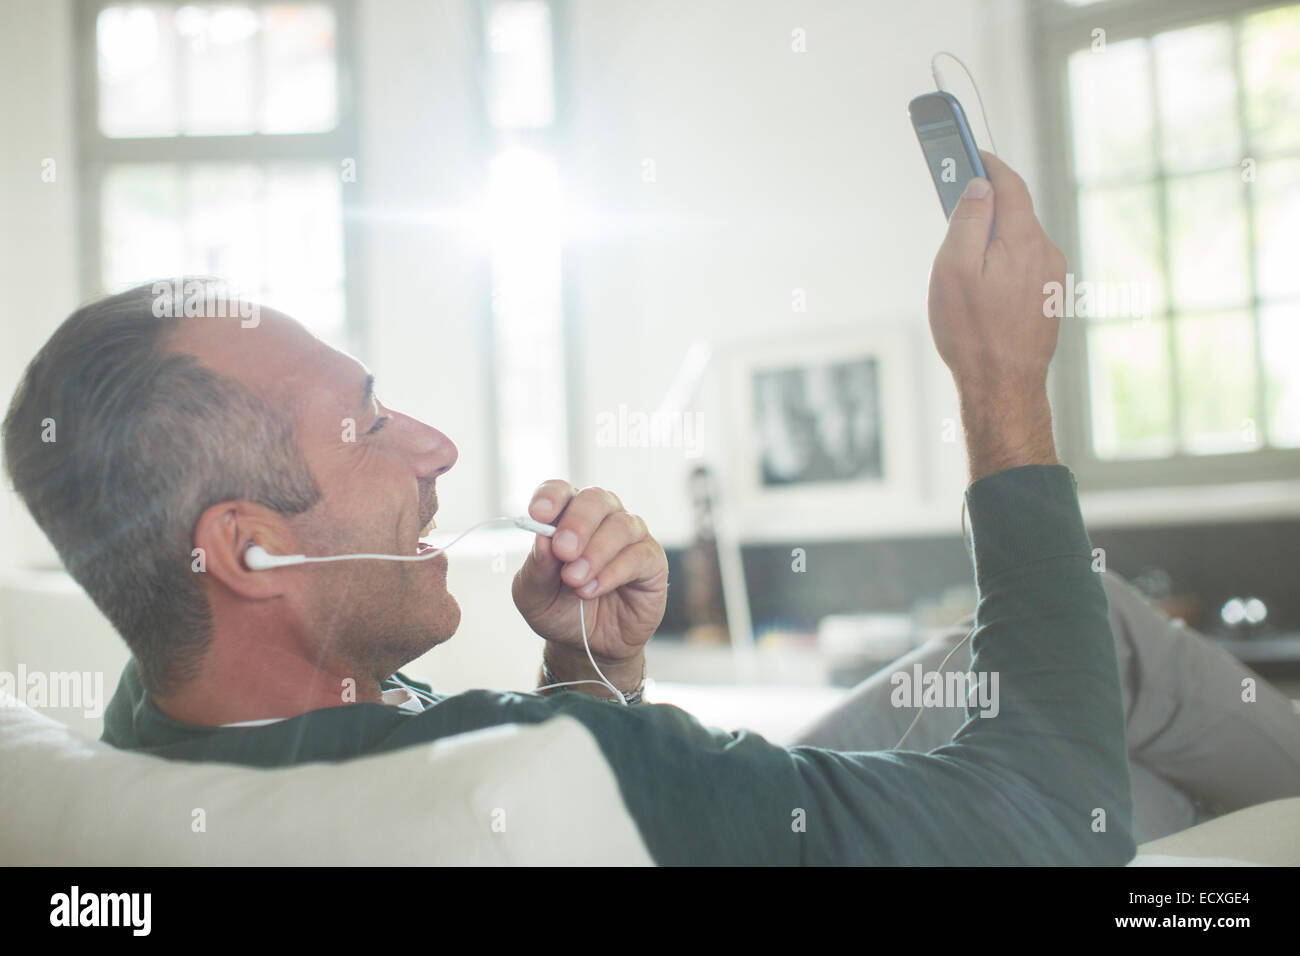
(562, 664)
(1006, 429)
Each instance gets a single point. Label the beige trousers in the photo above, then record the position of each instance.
(1198, 744)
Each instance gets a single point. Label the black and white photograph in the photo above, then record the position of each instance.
(819, 424)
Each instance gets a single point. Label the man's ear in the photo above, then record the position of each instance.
(225, 531)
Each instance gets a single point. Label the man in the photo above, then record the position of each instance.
(183, 442)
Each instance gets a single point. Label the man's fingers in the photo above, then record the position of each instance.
(550, 499)
(592, 531)
(580, 519)
(968, 229)
(617, 532)
(643, 562)
(1015, 207)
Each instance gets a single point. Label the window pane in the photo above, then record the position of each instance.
(1270, 64)
(301, 73)
(219, 47)
(1111, 106)
(304, 242)
(1280, 342)
(1132, 405)
(223, 234)
(520, 91)
(143, 236)
(136, 67)
(1276, 192)
(1216, 372)
(273, 233)
(1207, 241)
(1198, 97)
(1120, 240)
(207, 69)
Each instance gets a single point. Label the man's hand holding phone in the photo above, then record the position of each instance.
(988, 321)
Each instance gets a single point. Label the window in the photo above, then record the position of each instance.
(1170, 130)
(525, 226)
(215, 141)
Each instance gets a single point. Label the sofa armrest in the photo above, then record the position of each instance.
(538, 794)
(1267, 834)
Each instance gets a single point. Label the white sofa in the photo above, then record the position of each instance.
(1267, 834)
(539, 794)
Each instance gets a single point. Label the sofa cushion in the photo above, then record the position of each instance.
(1267, 834)
(538, 794)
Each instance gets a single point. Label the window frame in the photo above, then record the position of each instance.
(554, 140)
(1056, 30)
(97, 153)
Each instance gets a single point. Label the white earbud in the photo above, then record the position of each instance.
(536, 527)
(257, 559)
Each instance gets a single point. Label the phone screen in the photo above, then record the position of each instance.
(950, 166)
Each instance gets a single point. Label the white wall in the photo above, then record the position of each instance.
(38, 247)
(775, 170)
(778, 170)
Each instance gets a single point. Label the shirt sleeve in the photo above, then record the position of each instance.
(1044, 780)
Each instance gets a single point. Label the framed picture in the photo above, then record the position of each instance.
(819, 422)
(819, 431)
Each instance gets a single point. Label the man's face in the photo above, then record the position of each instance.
(376, 469)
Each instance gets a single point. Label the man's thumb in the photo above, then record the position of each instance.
(968, 229)
(538, 580)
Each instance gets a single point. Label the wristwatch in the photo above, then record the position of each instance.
(631, 697)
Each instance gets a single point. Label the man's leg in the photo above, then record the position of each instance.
(1181, 750)
(1197, 716)
(867, 720)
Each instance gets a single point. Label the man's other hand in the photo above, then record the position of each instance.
(605, 555)
(987, 315)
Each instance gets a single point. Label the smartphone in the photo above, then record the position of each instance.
(947, 144)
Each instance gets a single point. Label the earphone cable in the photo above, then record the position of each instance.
(938, 83)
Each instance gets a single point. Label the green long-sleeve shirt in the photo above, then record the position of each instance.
(1045, 781)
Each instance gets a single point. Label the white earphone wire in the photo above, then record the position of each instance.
(618, 694)
(970, 550)
(403, 557)
(938, 82)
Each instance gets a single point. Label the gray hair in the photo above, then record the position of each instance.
(145, 440)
